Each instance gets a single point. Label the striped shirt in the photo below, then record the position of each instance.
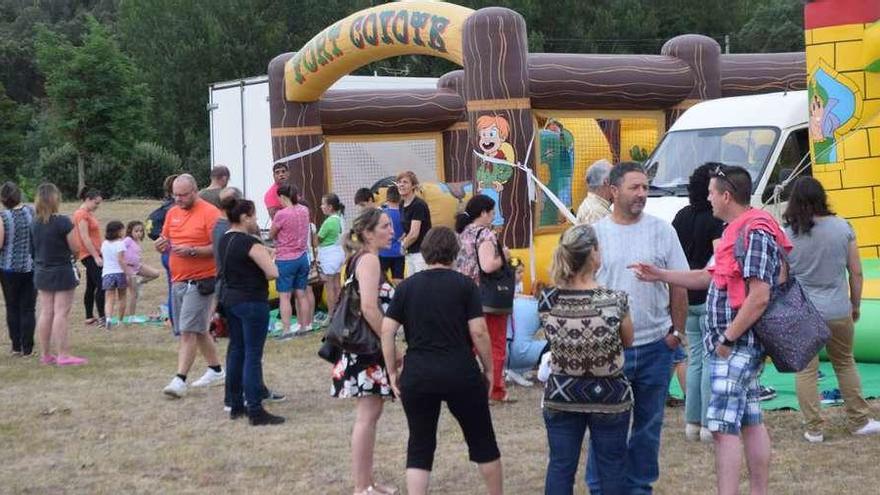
(17, 251)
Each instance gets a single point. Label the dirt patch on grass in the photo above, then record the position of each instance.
(106, 427)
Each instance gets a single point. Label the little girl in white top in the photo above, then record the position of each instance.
(115, 273)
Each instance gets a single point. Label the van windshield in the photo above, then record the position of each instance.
(680, 152)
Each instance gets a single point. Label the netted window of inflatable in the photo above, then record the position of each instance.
(569, 142)
(361, 161)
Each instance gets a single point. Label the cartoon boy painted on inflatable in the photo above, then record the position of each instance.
(823, 123)
(493, 131)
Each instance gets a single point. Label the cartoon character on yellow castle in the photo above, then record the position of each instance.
(491, 177)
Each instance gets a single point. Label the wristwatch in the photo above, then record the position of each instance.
(723, 340)
(191, 252)
(675, 333)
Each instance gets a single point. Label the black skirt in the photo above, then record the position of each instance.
(55, 278)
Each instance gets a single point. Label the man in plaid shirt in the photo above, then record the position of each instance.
(749, 260)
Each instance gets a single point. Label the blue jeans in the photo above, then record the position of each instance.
(648, 368)
(166, 257)
(248, 325)
(565, 436)
(696, 399)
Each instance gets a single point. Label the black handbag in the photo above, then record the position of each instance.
(348, 329)
(496, 288)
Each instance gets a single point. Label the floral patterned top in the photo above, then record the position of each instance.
(472, 236)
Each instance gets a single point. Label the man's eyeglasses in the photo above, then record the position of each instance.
(719, 173)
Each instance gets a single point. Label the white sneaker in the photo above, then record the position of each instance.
(871, 428)
(706, 435)
(819, 438)
(692, 432)
(210, 378)
(518, 379)
(175, 389)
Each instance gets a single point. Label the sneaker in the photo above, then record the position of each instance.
(274, 397)
(235, 413)
(175, 389)
(210, 378)
(817, 438)
(692, 432)
(262, 417)
(766, 393)
(518, 379)
(70, 361)
(227, 408)
(706, 435)
(832, 397)
(321, 319)
(872, 427)
(47, 359)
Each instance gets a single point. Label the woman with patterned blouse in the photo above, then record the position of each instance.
(587, 327)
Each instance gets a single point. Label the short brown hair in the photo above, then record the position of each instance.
(735, 180)
(10, 195)
(168, 184)
(440, 246)
(409, 174)
(220, 172)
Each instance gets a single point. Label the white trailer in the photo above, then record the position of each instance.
(240, 131)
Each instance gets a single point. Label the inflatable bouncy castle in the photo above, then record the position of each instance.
(506, 115)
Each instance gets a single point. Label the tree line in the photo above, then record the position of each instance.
(113, 93)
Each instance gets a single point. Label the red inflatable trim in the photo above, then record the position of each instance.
(824, 13)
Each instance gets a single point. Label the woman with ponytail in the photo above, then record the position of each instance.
(245, 270)
(364, 377)
(480, 250)
(587, 327)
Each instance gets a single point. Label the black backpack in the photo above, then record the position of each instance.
(156, 220)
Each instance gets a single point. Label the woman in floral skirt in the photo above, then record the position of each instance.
(364, 377)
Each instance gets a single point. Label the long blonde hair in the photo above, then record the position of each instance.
(572, 255)
(47, 201)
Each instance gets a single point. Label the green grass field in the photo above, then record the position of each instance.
(107, 428)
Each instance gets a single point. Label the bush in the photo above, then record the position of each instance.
(59, 167)
(105, 174)
(147, 169)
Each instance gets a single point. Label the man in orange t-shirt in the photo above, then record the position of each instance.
(187, 235)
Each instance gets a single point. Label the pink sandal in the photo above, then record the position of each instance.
(47, 359)
(70, 361)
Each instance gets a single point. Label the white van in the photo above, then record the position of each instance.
(766, 134)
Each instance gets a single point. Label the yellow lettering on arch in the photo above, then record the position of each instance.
(388, 30)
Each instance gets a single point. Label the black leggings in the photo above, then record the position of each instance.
(94, 293)
(20, 298)
(467, 400)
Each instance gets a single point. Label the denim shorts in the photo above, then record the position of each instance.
(292, 274)
(735, 391)
(114, 281)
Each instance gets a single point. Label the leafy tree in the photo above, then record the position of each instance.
(13, 126)
(775, 26)
(95, 95)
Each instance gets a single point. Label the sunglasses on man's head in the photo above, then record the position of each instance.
(719, 173)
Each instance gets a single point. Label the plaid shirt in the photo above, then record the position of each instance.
(761, 261)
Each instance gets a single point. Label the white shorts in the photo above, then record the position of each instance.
(331, 259)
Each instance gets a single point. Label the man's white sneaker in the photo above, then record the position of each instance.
(706, 435)
(817, 438)
(210, 378)
(692, 432)
(176, 389)
(871, 428)
(518, 379)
